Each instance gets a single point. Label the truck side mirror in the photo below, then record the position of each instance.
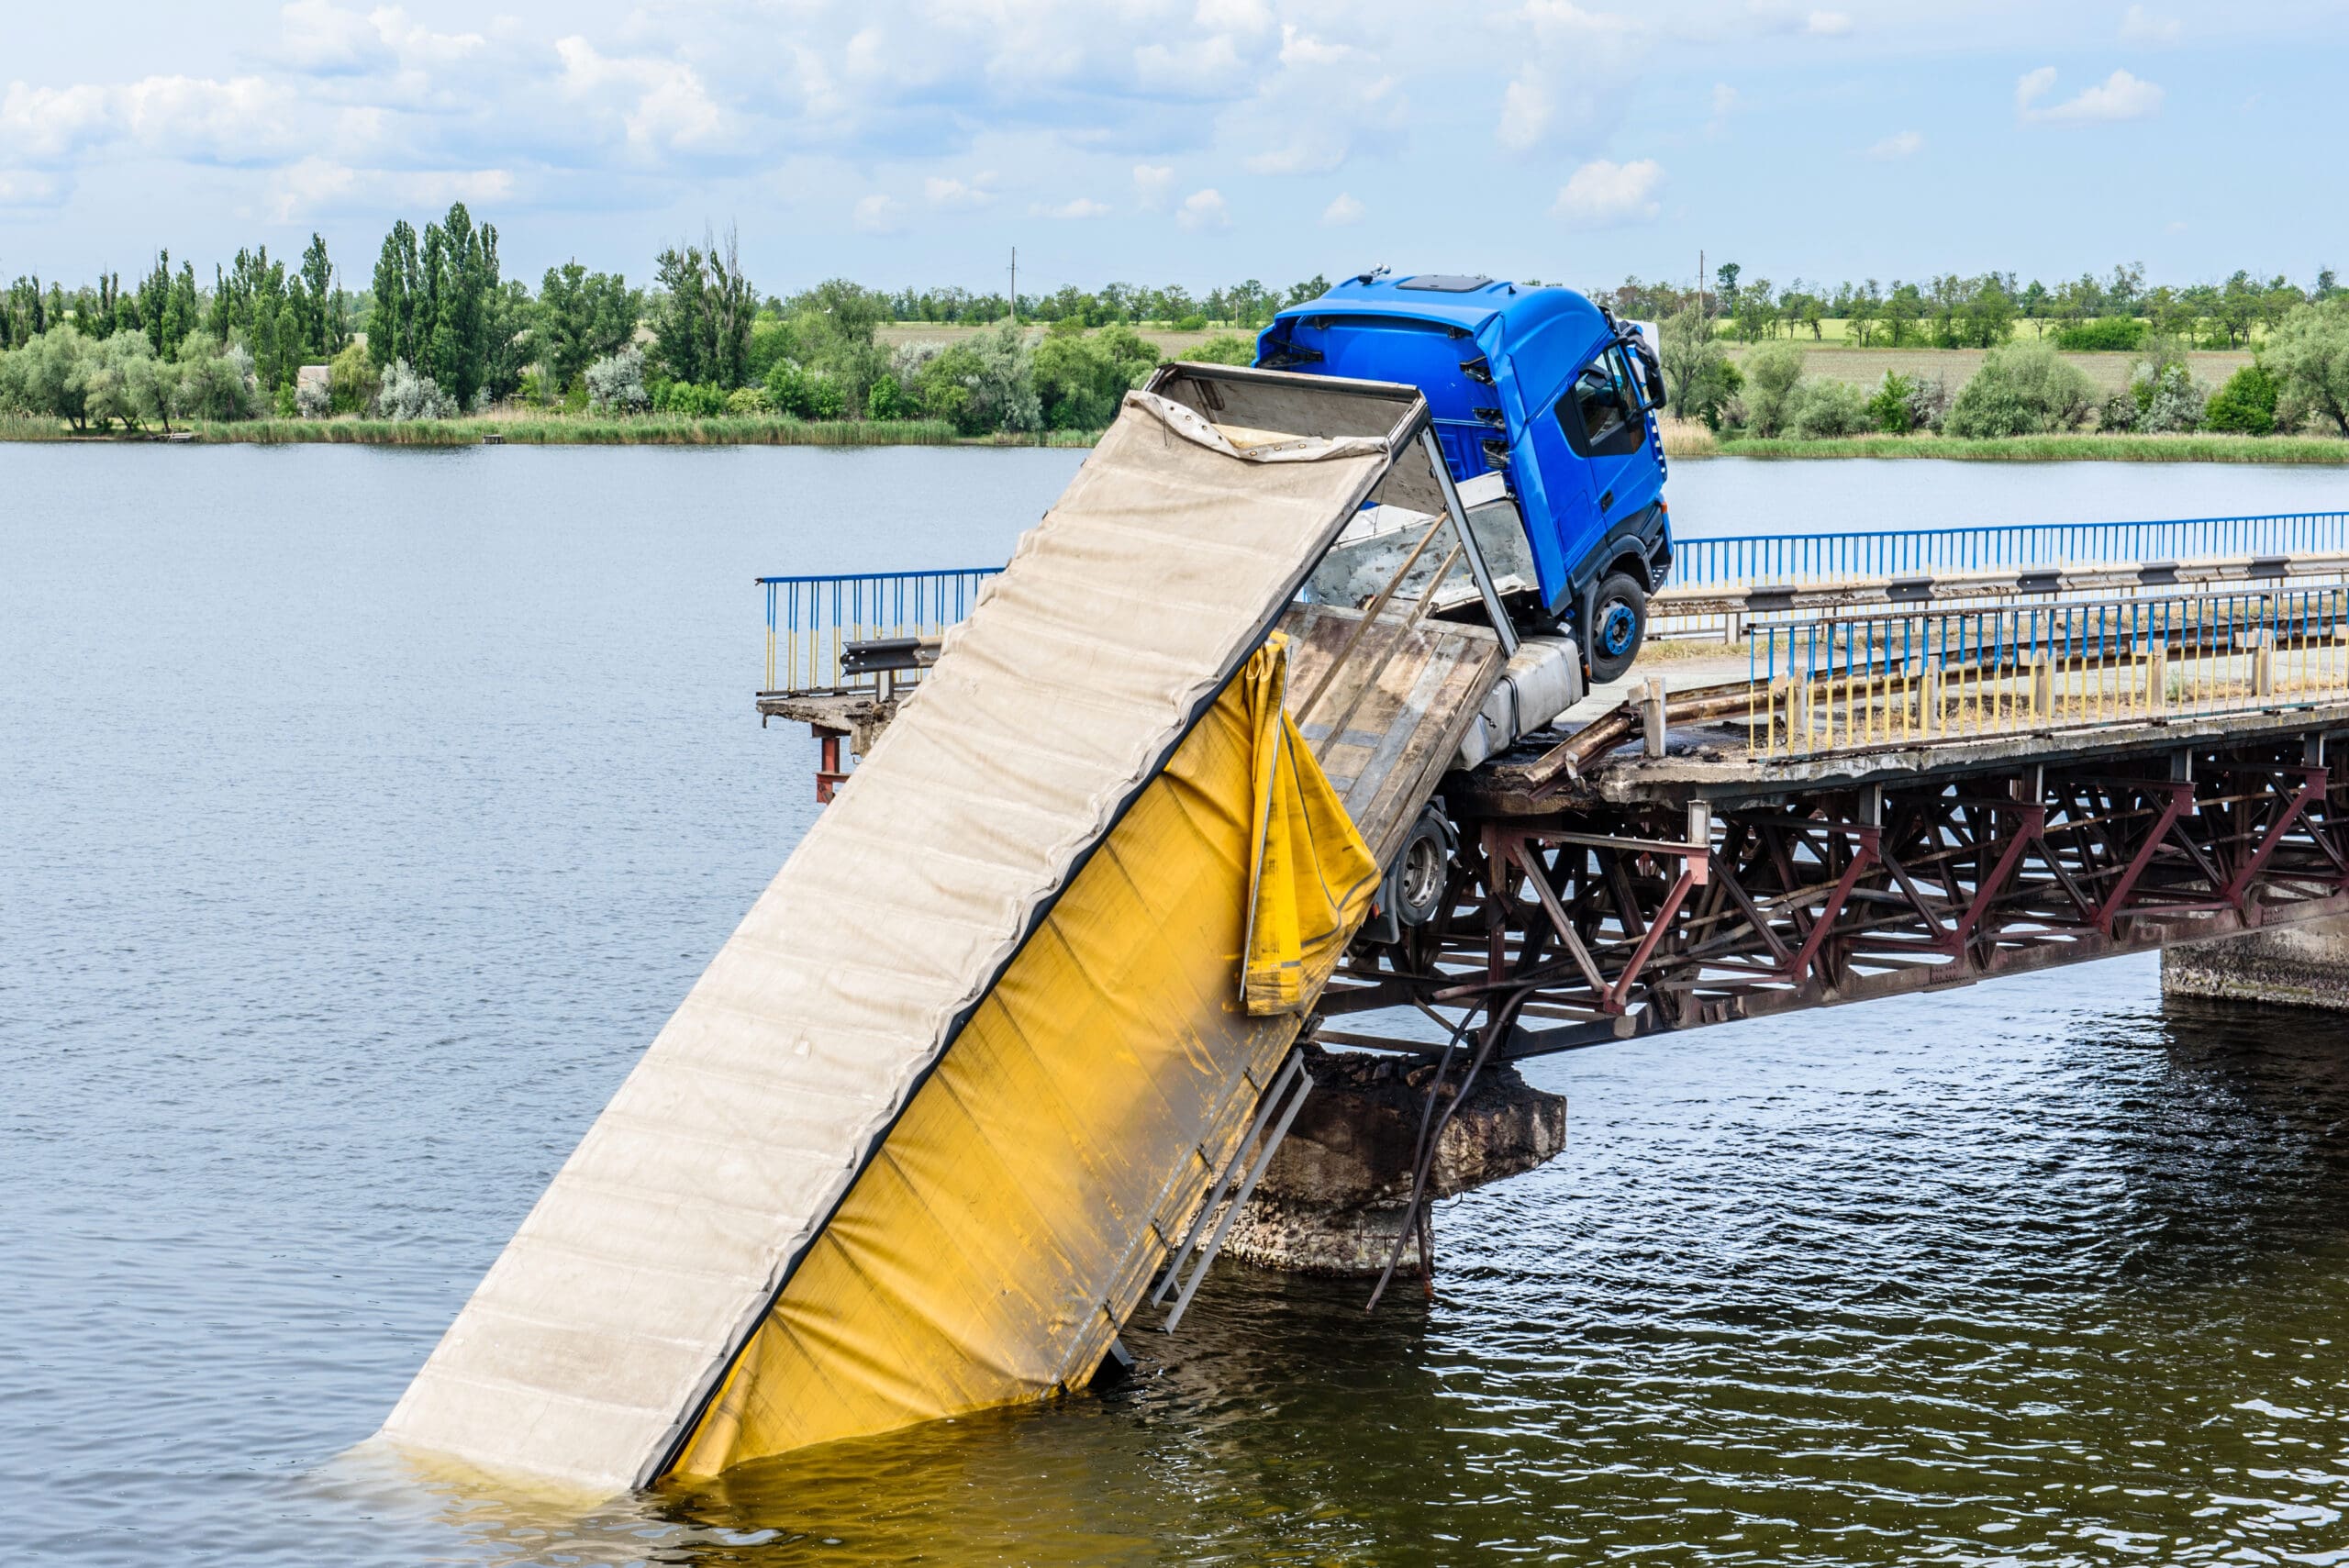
(1651, 371)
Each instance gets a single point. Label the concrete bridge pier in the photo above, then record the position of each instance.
(2304, 966)
(1333, 1196)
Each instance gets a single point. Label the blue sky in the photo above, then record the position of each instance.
(1193, 142)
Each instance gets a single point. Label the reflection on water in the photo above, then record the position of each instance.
(347, 861)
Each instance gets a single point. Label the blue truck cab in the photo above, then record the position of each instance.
(1539, 391)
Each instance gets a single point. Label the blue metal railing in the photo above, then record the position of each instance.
(811, 620)
(1891, 553)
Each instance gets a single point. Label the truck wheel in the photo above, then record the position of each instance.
(1421, 872)
(1619, 623)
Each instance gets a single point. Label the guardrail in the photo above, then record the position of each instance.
(811, 621)
(1892, 552)
(1896, 678)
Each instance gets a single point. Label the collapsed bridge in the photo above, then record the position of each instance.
(994, 1063)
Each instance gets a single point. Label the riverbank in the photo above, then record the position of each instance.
(1681, 440)
(1695, 441)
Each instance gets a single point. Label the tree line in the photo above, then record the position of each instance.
(436, 330)
(2298, 380)
(2117, 311)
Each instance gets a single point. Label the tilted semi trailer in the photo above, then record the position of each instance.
(1019, 1017)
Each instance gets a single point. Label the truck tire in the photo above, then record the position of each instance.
(1421, 872)
(1619, 623)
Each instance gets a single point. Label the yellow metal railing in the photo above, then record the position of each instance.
(1886, 680)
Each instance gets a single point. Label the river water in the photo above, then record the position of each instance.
(363, 813)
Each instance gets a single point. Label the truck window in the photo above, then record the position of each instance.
(1598, 411)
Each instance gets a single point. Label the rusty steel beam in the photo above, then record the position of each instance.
(1599, 923)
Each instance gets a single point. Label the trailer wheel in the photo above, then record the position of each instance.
(1619, 623)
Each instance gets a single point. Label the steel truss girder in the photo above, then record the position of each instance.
(1604, 922)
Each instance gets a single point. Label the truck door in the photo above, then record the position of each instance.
(1589, 439)
(1605, 422)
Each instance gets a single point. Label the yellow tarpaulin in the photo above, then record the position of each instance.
(1314, 875)
(1013, 1215)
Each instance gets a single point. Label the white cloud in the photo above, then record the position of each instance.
(2176, 225)
(878, 214)
(1204, 210)
(30, 188)
(660, 105)
(2142, 26)
(1827, 24)
(1573, 73)
(1724, 100)
(1341, 212)
(1154, 185)
(2119, 96)
(956, 196)
(245, 119)
(1080, 207)
(1602, 192)
(1902, 144)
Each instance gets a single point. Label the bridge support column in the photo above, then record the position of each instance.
(2305, 965)
(1332, 1197)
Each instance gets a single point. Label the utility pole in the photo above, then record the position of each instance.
(1015, 285)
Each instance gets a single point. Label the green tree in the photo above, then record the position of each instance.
(391, 325)
(1773, 375)
(582, 317)
(2308, 356)
(2245, 405)
(1693, 360)
(1725, 286)
(702, 315)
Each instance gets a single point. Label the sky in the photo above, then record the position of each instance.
(1191, 141)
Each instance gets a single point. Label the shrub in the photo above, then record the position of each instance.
(1082, 379)
(2118, 333)
(1191, 324)
(1888, 408)
(2245, 405)
(1826, 409)
(2309, 355)
(313, 399)
(1225, 349)
(1772, 375)
(693, 399)
(887, 400)
(982, 385)
(351, 381)
(213, 383)
(410, 394)
(2022, 389)
(614, 384)
(2168, 401)
(285, 403)
(805, 393)
(747, 401)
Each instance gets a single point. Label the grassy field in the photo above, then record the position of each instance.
(1865, 367)
(1683, 439)
(1172, 344)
